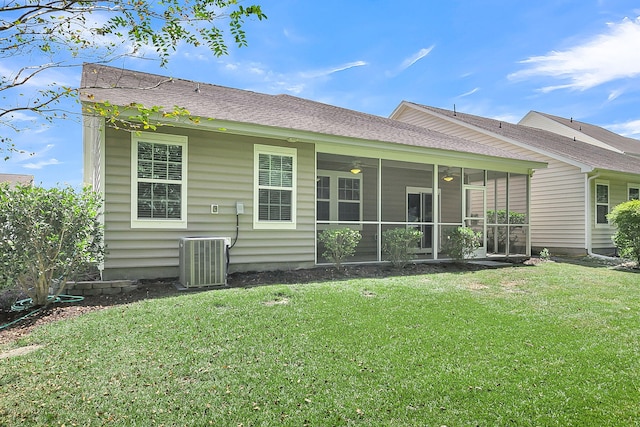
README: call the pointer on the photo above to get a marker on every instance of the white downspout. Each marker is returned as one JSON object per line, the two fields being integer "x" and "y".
{"x": 587, "y": 220}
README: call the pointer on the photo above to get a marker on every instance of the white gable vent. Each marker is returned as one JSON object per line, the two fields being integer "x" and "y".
{"x": 203, "y": 261}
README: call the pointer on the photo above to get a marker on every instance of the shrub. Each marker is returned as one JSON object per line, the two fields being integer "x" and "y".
{"x": 339, "y": 243}
{"x": 461, "y": 243}
{"x": 398, "y": 243}
{"x": 47, "y": 237}
{"x": 626, "y": 218}
{"x": 544, "y": 254}
{"x": 500, "y": 216}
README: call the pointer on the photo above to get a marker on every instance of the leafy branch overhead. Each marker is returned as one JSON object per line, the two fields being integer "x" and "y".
{"x": 59, "y": 34}
{"x": 136, "y": 116}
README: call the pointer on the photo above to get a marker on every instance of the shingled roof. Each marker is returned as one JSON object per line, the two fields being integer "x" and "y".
{"x": 622, "y": 143}
{"x": 123, "y": 87}
{"x": 581, "y": 153}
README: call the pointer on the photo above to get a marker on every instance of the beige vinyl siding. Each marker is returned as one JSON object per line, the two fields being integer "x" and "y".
{"x": 428, "y": 121}
{"x": 539, "y": 121}
{"x": 558, "y": 207}
{"x": 557, "y": 192}
{"x": 220, "y": 171}
{"x": 601, "y": 234}
{"x": 395, "y": 181}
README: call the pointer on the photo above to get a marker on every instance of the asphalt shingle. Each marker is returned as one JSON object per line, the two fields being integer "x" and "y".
{"x": 539, "y": 139}
{"x": 622, "y": 143}
{"x": 123, "y": 87}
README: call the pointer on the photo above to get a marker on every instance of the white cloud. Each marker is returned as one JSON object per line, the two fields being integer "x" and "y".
{"x": 327, "y": 72}
{"x": 28, "y": 151}
{"x": 630, "y": 129}
{"x": 256, "y": 70}
{"x": 260, "y": 77}
{"x": 19, "y": 116}
{"x": 41, "y": 164}
{"x": 408, "y": 62}
{"x": 44, "y": 79}
{"x": 607, "y": 57}
{"x": 293, "y": 36}
{"x": 415, "y": 58}
{"x": 614, "y": 94}
{"x": 471, "y": 92}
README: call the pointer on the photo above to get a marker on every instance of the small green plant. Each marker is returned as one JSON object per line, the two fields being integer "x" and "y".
{"x": 461, "y": 243}
{"x": 500, "y": 217}
{"x": 398, "y": 245}
{"x": 47, "y": 237}
{"x": 626, "y": 218}
{"x": 339, "y": 243}
{"x": 544, "y": 254}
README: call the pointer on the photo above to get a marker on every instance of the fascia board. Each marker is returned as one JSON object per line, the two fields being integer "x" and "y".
{"x": 335, "y": 144}
{"x": 356, "y": 146}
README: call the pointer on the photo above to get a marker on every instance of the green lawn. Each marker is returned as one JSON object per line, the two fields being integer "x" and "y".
{"x": 549, "y": 345}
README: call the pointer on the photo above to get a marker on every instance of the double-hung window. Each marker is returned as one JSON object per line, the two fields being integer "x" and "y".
{"x": 158, "y": 181}
{"x": 602, "y": 202}
{"x": 633, "y": 191}
{"x": 275, "y": 187}
{"x": 338, "y": 196}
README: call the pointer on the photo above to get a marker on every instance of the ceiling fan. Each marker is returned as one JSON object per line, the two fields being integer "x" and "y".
{"x": 448, "y": 174}
{"x": 356, "y": 167}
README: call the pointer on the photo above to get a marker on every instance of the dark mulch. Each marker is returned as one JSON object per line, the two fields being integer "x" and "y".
{"x": 150, "y": 289}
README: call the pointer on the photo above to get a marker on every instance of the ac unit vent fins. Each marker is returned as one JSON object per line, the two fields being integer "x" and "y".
{"x": 203, "y": 261}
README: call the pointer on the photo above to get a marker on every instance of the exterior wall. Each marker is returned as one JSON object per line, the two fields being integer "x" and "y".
{"x": 601, "y": 234}
{"x": 220, "y": 171}
{"x": 558, "y": 208}
{"x": 557, "y": 192}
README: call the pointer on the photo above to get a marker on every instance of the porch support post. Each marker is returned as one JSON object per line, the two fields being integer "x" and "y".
{"x": 436, "y": 212}
{"x": 379, "y": 239}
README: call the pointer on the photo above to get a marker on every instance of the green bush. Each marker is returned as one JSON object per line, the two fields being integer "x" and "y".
{"x": 461, "y": 243}
{"x": 500, "y": 217}
{"x": 545, "y": 255}
{"x": 339, "y": 243}
{"x": 47, "y": 237}
{"x": 398, "y": 245}
{"x": 626, "y": 218}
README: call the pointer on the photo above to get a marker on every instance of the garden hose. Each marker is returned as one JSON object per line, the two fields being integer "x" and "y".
{"x": 27, "y": 303}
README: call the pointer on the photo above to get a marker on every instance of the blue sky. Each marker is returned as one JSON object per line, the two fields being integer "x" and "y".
{"x": 494, "y": 58}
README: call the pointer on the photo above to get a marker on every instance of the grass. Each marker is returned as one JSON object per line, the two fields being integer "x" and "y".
{"x": 549, "y": 345}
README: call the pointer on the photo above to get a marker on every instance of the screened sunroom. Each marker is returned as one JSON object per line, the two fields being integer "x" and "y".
{"x": 373, "y": 195}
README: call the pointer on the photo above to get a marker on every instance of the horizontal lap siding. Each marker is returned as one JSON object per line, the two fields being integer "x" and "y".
{"x": 557, "y": 192}
{"x": 601, "y": 235}
{"x": 220, "y": 171}
{"x": 558, "y": 207}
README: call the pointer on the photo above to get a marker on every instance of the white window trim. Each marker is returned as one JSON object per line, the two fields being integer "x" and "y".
{"x": 333, "y": 196}
{"x": 630, "y": 186}
{"x": 181, "y": 140}
{"x": 281, "y": 151}
{"x": 596, "y": 204}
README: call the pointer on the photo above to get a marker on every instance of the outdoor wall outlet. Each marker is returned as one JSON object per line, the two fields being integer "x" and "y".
{"x": 239, "y": 208}
{"x": 214, "y": 209}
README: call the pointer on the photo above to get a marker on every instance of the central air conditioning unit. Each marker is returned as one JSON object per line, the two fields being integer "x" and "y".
{"x": 203, "y": 261}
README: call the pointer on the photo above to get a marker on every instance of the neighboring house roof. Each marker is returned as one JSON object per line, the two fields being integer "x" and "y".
{"x": 14, "y": 179}
{"x": 623, "y": 143}
{"x": 124, "y": 87}
{"x": 586, "y": 156}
